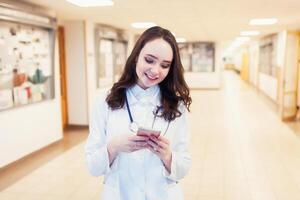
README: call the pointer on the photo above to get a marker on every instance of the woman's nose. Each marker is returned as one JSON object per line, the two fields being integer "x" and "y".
{"x": 154, "y": 70}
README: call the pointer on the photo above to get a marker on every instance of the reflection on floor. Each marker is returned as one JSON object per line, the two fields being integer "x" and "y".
{"x": 240, "y": 149}
{"x": 295, "y": 127}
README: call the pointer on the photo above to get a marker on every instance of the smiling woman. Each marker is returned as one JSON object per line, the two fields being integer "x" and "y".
{"x": 155, "y": 51}
{"x": 138, "y": 132}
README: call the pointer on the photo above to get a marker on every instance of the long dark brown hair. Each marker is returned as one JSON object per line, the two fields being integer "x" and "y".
{"x": 173, "y": 88}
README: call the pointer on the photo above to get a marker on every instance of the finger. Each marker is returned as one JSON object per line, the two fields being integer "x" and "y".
{"x": 162, "y": 144}
{"x": 137, "y": 149}
{"x": 159, "y": 143}
{"x": 141, "y": 144}
{"x": 140, "y": 147}
{"x": 153, "y": 150}
{"x": 138, "y": 138}
{"x": 134, "y": 146}
{"x": 152, "y": 144}
{"x": 163, "y": 139}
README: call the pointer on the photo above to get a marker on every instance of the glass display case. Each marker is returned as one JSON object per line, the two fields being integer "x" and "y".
{"x": 111, "y": 54}
{"x": 185, "y": 55}
{"x": 26, "y": 58}
{"x": 267, "y": 55}
{"x": 197, "y": 56}
{"x": 203, "y": 57}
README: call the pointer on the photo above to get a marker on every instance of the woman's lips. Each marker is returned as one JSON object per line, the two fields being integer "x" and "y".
{"x": 151, "y": 77}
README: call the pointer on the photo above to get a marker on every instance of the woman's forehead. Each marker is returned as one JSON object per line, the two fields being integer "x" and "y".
{"x": 158, "y": 48}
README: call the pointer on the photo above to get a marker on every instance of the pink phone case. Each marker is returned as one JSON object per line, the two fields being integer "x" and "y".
{"x": 148, "y": 132}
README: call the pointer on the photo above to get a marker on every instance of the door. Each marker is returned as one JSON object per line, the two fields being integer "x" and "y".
{"x": 63, "y": 82}
{"x": 290, "y": 77}
{"x": 245, "y": 66}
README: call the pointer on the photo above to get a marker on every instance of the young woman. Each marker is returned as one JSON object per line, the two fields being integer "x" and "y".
{"x": 152, "y": 94}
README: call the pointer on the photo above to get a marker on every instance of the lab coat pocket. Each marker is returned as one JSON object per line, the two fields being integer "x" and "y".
{"x": 111, "y": 187}
{"x": 110, "y": 193}
{"x": 174, "y": 192}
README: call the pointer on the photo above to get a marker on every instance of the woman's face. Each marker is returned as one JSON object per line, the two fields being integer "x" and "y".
{"x": 153, "y": 63}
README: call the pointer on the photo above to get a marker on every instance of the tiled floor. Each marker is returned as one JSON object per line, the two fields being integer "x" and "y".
{"x": 240, "y": 149}
{"x": 15, "y": 171}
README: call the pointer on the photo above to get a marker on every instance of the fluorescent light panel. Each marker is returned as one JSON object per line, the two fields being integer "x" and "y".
{"x": 143, "y": 25}
{"x": 249, "y": 33}
{"x": 91, "y": 3}
{"x": 265, "y": 21}
{"x": 242, "y": 39}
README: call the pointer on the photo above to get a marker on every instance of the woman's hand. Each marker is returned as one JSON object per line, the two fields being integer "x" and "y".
{"x": 125, "y": 143}
{"x": 161, "y": 147}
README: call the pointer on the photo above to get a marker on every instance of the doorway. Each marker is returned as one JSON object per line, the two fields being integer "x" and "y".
{"x": 290, "y": 79}
{"x": 63, "y": 81}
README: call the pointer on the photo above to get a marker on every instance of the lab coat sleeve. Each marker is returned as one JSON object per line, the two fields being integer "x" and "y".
{"x": 96, "y": 147}
{"x": 181, "y": 160}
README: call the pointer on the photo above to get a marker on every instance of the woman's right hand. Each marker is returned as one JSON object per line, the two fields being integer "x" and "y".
{"x": 125, "y": 143}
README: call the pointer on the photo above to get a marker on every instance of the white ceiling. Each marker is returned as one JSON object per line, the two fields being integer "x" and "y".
{"x": 196, "y": 20}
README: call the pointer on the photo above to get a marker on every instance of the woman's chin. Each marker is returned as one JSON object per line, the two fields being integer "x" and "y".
{"x": 150, "y": 83}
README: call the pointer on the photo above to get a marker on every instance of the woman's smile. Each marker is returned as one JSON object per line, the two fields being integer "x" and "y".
{"x": 151, "y": 77}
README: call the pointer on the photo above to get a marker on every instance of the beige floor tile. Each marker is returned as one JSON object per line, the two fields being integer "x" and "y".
{"x": 10, "y": 195}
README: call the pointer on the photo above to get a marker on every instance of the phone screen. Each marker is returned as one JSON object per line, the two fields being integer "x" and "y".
{"x": 148, "y": 132}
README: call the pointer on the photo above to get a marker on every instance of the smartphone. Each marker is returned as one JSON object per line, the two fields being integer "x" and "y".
{"x": 148, "y": 132}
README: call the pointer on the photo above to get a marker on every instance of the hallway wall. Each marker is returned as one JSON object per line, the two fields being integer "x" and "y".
{"x": 76, "y": 72}
{"x": 26, "y": 129}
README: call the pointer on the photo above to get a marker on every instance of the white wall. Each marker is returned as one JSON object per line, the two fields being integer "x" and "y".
{"x": 237, "y": 59}
{"x": 91, "y": 63}
{"x": 281, "y": 48}
{"x": 207, "y": 80}
{"x": 77, "y": 90}
{"x": 268, "y": 85}
{"x": 290, "y": 70}
{"x": 29, "y": 128}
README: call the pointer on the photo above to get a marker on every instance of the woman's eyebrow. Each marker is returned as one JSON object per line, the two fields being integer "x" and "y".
{"x": 157, "y": 58}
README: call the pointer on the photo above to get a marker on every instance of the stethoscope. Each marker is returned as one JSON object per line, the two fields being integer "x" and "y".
{"x": 133, "y": 126}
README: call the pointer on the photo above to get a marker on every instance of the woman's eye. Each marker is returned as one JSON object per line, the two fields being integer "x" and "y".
{"x": 148, "y": 60}
{"x": 165, "y": 66}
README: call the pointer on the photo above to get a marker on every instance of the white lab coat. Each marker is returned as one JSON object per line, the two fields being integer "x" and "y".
{"x": 139, "y": 175}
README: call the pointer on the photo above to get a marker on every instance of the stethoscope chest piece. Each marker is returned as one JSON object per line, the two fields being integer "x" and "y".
{"x": 134, "y": 127}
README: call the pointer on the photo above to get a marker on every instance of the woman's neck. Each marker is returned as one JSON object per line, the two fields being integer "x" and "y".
{"x": 142, "y": 86}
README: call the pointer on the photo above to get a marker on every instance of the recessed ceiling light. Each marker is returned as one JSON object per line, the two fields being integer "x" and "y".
{"x": 249, "y": 33}
{"x": 242, "y": 39}
{"x": 266, "y": 21}
{"x": 180, "y": 40}
{"x": 143, "y": 25}
{"x": 91, "y": 3}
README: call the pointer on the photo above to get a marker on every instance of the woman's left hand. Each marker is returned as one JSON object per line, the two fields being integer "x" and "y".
{"x": 161, "y": 147}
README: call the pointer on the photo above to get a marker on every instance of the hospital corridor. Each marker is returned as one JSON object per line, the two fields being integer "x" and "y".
{"x": 240, "y": 61}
